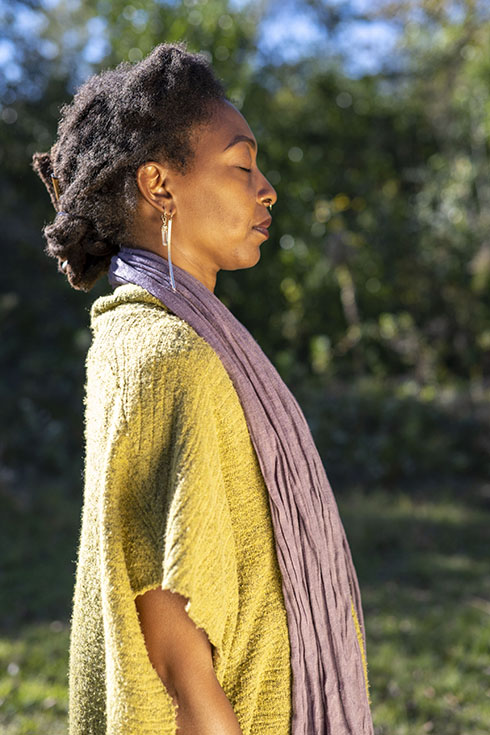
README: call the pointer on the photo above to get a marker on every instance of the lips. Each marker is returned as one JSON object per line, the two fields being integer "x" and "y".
{"x": 263, "y": 227}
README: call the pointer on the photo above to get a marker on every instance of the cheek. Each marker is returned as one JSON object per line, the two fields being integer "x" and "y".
{"x": 224, "y": 209}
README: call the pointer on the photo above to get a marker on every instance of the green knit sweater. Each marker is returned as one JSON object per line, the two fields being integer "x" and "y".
{"x": 174, "y": 497}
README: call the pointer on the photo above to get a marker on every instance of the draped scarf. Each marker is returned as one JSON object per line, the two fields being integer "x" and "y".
{"x": 319, "y": 583}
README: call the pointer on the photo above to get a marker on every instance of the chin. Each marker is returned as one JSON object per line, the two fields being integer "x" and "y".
{"x": 244, "y": 259}
{"x": 255, "y": 260}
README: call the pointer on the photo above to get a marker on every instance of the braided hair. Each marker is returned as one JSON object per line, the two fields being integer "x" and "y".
{"x": 117, "y": 120}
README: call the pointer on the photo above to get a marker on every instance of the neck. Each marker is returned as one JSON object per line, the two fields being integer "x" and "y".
{"x": 187, "y": 263}
{"x": 145, "y": 234}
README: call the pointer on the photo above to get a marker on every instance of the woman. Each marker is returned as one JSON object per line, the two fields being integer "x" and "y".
{"x": 215, "y": 591}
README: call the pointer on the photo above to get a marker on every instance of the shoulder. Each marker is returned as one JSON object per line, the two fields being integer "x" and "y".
{"x": 142, "y": 338}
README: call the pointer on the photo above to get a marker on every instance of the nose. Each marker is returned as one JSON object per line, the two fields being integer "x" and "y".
{"x": 266, "y": 194}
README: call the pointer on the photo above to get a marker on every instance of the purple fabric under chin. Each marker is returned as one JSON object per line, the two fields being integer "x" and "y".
{"x": 318, "y": 577}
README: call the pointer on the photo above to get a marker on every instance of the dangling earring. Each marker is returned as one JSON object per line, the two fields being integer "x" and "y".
{"x": 167, "y": 243}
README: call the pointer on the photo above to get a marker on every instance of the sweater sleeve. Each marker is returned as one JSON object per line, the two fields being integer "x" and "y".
{"x": 155, "y": 514}
{"x": 175, "y": 525}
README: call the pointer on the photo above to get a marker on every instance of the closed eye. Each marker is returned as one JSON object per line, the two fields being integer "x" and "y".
{"x": 244, "y": 169}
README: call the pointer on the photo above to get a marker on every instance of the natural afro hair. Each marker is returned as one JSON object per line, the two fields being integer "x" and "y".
{"x": 117, "y": 120}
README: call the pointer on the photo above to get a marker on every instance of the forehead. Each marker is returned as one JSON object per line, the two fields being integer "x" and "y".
{"x": 226, "y": 124}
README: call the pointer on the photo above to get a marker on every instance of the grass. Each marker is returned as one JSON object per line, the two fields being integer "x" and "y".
{"x": 33, "y": 692}
{"x": 422, "y": 560}
{"x": 423, "y": 564}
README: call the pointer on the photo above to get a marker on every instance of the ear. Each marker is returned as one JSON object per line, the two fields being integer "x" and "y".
{"x": 152, "y": 179}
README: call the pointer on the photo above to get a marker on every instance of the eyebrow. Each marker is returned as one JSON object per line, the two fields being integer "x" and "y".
{"x": 242, "y": 139}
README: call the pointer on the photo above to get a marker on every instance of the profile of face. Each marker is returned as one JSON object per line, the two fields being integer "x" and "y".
{"x": 219, "y": 207}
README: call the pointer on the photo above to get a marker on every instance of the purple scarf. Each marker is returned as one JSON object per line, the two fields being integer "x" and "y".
{"x": 318, "y": 577}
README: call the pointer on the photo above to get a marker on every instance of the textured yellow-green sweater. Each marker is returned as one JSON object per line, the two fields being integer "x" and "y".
{"x": 174, "y": 497}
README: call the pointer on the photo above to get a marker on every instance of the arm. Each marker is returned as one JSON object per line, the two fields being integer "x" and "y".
{"x": 181, "y": 654}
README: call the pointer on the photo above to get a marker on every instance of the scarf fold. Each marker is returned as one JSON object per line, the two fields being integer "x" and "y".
{"x": 319, "y": 582}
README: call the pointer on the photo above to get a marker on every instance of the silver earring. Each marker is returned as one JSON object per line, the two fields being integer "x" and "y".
{"x": 167, "y": 243}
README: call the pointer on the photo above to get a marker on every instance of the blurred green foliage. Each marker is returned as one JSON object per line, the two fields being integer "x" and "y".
{"x": 371, "y": 297}
{"x": 379, "y": 261}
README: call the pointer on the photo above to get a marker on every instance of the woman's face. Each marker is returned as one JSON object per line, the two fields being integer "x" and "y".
{"x": 220, "y": 215}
